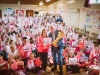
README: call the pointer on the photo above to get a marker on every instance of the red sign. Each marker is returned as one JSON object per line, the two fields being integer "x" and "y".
{"x": 20, "y": 12}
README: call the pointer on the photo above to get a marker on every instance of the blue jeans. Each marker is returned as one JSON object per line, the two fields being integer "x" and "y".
{"x": 60, "y": 58}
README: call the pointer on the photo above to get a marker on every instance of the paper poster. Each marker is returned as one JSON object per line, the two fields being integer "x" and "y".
{"x": 9, "y": 11}
{"x": 84, "y": 59}
{"x": 72, "y": 60}
{"x": 21, "y": 12}
{"x": 87, "y": 20}
{"x": 47, "y": 40}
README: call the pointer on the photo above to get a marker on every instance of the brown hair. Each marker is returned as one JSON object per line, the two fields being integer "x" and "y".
{"x": 1, "y": 56}
{"x": 42, "y": 32}
{"x": 17, "y": 57}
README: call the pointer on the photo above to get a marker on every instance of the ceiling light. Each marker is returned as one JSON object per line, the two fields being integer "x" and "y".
{"x": 41, "y": 3}
{"x": 71, "y": 1}
{"x": 48, "y": 0}
{"x": 18, "y": 2}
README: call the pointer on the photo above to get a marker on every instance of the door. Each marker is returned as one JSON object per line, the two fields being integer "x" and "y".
{"x": 74, "y": 18}
{"x": 30, "y": 12}
{"x": 41, "y": 12}
{"x": 1, "y": 13}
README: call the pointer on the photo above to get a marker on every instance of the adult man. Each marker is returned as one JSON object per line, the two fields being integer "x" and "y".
{"x": 56, "y": 50}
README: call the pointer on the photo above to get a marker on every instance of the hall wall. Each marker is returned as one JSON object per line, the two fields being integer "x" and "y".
{"x": 21, "y": 7}
{"x": 65, "y": 9}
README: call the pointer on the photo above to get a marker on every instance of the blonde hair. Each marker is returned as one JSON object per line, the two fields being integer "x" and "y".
{"x": 12, "y": 46}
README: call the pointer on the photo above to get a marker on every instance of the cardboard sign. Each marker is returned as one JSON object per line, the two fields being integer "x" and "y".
{"x": 72, "y": 60}
{"x": 47, "y": 40}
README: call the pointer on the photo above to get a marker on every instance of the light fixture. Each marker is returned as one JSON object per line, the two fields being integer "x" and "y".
{"x": 41, "y": 3}
{"x": 70, "y": 1}
{"x": 48, "y": 0}
{"x": 18, "y": 2}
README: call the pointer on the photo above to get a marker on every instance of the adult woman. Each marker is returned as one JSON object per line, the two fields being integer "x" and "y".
{"x": 43, "y": 49}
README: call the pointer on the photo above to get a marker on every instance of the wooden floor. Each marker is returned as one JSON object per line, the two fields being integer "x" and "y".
{"x": 82, "y": 72}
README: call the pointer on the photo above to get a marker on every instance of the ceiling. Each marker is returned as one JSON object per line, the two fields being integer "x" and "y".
{"x": 29, "y": 2}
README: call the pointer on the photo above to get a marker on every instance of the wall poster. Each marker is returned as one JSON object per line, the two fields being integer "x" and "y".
{"x": 20, "y": 12}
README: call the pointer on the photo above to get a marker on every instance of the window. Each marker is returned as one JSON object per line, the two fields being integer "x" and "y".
{"x": 94, "y": 1}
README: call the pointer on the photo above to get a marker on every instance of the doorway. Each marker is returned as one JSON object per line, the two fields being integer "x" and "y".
{"x": 1, "y": 13}
{"x": 41, "y": 12}
{"x": 30, "y": 12}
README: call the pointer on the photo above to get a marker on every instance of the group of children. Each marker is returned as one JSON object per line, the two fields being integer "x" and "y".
{"x": 14, "y": 28}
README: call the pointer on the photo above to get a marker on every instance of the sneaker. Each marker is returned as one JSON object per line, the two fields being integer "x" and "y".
{"x": 69, "y": 72}
{"x": 53, "y": 69}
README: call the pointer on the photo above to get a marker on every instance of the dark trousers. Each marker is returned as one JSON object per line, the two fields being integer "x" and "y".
{"x": 25, "y": 61}
{"x": 98, "y": 41}
{"x": 58, "y": 60}
{"x": 5, "y": 72}
{"x": 73, "y": 68}
{"x": 34, "y": 70}
{"x": 35, "y": 53}
{"x": 43, "y": 56}
{"x": 5, "y": 56}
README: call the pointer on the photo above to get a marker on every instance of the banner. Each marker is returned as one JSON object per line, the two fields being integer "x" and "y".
{"x": 91, "y": 12}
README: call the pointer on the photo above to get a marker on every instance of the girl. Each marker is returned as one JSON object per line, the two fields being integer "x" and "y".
{"x": 43, "y": 49}
{"x": 32, "y": 65}
{"x": 4, "y": 67}
{"x": 17, "y": 66}
{"x": 33, "y": 46}
{"x": 6, "y": 50}
{"x": 12, "y": 54}
{"x": 71, "y": 68}
{"x": 82, "y": 59}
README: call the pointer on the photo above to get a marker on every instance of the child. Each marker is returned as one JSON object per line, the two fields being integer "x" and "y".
{"x": 6, "y": 49}
{"x": 65, "y": 52}
{"x": 71, "y": 68}
{"x": 32, "y": 65}
{"x": 33, "y": 46}
{"x": 4, "y": 67}
{"x": 17, "y": 66}
{"x": 12, "y": 54}
{"x": 82, "y": 59}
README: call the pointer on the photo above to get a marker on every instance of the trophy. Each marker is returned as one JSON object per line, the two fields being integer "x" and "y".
{"x": 60, "y": 35}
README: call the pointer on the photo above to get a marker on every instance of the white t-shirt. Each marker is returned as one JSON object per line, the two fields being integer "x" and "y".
{"x": 13, "y": 54}
{"x": 7, "y": 47}
{"x": 33, "y": 46}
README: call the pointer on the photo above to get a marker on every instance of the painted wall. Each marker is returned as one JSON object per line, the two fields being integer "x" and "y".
{"x": 60, "y": 7}
{"x": 65, "y": 9}
{"x": 21, "y": 7}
